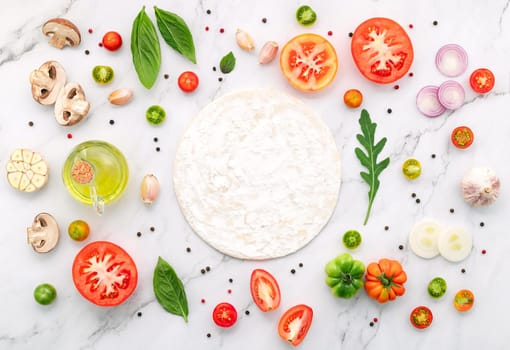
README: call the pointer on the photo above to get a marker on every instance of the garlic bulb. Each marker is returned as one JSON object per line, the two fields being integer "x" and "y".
{"x": 480, "y": 187}
{"x": 149, "y": 189}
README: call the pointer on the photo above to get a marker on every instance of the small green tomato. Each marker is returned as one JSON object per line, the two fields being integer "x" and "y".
{"x": 45, "y": 294}
{"x": 155, "y": 115}
{"x": 351, "y": 239}
{"x": 103, "y": 74}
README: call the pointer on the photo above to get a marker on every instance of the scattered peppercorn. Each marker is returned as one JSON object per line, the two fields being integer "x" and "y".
{"x": 202, "y": 301}
{"x": 264, "y": 20}
{"x": 411, "y": 26}
{"x": 158, "y": 149}
{"x": 166, "y": 76}
{"x": 208, "y": 335}
{"x": 300, "y": 264}
{"x": 484, "y": 252}
{"x": 433, "y": 156}
{"x": 376, "y": 319}
{"x": 482, "y": 224}
{"x": 463, "y": 270}
{"x": 389, "y": 110}
{"x": 139, "y": 234}
{"x": 220, "y": 79}
{"x": 435, "y": 23}
{"x": 207, "y": 268}
{"x": 100, "y": 44}
{"x": 152, "y": 229}
{"x": 371, "y": 324}
{"x": 330, "y": 33}
{"x": 413, "y": 195}
{"x": 30, "y": 123}
{"x": 230, "y": 280}
{"x": 418, "y": 200}
{"x": 350, "y": 35}
{"x": 411, "y": 74}
{"x": 188, "y": 250}
{"x": 214, "y": 69}
{"x": 401, "y": 247}
{"x": 69, "y": 136}
{"x": 293, "y": 271}
{"x": 452, "y": 210}
{"x": 229, "y": 291}
{"x": 155, "y": 139}
{"x": 206, "y": 28}
{"x": 87, "y": 52}
{"x": 112, "y": 121}
{"x": 139, "y": 314}
{"x": 202, "y": 271}
{"x": 222, "y": 30}
{"x": 208, "y": 12}
{"x": 247, "y": 312}
{"x": 386, "y": 228}
{"x": 396, "y": 87}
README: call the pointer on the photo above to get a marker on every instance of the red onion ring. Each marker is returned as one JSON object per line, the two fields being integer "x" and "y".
{"x": 451, "y": 94}
{"x": 451, "y": 60}
{"x": 428, "y": 103}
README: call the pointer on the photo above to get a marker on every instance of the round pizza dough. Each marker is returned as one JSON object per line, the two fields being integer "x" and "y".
{"x": 257, "y": 174}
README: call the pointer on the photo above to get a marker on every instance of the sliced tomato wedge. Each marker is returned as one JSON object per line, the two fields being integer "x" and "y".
{"x": 421, "y": 317}
{"x": 309, "y": 62}
{"x": 295, "y": 323}
{"x": 482, "y": 80}
{"x": 224, "y": 315}
{"x": 104, "y": 273}
{"x": 382, "y": 50}
{"x": 264, "y": 290}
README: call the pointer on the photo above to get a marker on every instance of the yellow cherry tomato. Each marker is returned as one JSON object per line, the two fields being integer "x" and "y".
{"x": 411, "y": 168}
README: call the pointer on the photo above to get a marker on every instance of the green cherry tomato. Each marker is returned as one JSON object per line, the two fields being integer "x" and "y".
{"x": 411, "y": 168}
{"x": 305, "y": 15}
{"x": 78, "y": 230}
{"x": 45, "y": 294}
{"x": 437, "y": 287}
{"x": 155, "y": 115}
{"x": 102, "y": 74}
{"x": 351, "y": 239}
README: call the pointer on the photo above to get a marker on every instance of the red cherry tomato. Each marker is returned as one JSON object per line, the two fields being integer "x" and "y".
{"x": 188, "y": 81}
{"x": 224, "y": 315}
{"x": 264, "y": 290}
{"x": 482, "y": 80}
{"x": 295, "y": 323}
{"x": 462, "y": 137}
{"x": 104, "y": 273}
{"x": 421, "y": 317}
{"x": 112, "y": 41}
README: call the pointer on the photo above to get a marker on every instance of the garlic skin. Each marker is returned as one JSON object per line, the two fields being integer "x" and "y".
{"x": 149, "y": 190}
{"x": 244, "y": 40}
{"x": 480, "y": 187}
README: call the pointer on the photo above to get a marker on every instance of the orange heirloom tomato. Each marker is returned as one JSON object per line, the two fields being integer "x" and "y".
{"x": 385, "y": 280}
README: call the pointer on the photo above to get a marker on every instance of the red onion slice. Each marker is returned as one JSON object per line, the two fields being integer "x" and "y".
{"x": 451, "y": 94}
{"x": 451, "y": 60}
{"x": 428, "y": 103}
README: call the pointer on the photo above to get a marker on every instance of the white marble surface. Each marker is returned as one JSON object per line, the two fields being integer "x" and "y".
{"x": 481, "y": 27}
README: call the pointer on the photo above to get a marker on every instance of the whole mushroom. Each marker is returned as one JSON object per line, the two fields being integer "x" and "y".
{"x": 480, "y": 187}
{"x": 71, "y": 105}
{"x": 61, "y": 32}
{"x": 47, "y": 81}
{"x": 44, "y": 233}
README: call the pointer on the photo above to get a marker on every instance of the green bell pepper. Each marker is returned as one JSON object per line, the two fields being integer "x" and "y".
{"x": 344, "y": 275}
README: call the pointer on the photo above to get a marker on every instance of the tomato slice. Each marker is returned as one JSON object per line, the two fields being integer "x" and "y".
{"x": 482, "y": 80}
{"x": 421, "y": 317}
{"x": 462, "y": 137}
{"x": 309, "y": 62}
{"x": 382, "y": 50}
{"x": 188, "y": 81}
{"x": 104, "y": 273}
{"x": 264, "y": 290}
{"x": 224, "y": 315}
{"x": 295, "y": 323}
{"x": 464, "y": 300}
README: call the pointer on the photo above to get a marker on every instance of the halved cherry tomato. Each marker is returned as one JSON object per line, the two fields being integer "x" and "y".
{"x": 104, "y": 273}
{"x": 224, "y": 315}
{"x": 462, "y": 137}
{"x": 382, "y": 50}
{"x": 309, "y": 62}
{"x": 264, "y": 290}
{"x": 112, "y": 41}
{"x": 295, "y": 323}
{"x": 464, "y": 300}
{"x": 353, "y": 98}
{"x": 482, "y": 80}
{"x": 421, "y": 317}
{"x": 188, "y": 81}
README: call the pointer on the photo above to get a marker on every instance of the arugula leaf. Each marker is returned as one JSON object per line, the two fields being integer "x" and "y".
{"x": 169, "y": 289}
{"x": 369, "y": 158}
{"x": 145, "y": 49}
{"x": 176, "y": 33}
{"x": 227, "y": 63}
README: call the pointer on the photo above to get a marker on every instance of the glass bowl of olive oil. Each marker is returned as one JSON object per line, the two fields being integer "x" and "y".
{"x": 95, "y": 173}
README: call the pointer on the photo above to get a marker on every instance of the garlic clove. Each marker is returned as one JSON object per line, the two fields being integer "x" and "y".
{"x": 244, "y": 40}
{"x": 120, "y": 97}
{"x": 268, "y": 52}
{"x": 149, "y": 189}
{"x": 480, "y": 187}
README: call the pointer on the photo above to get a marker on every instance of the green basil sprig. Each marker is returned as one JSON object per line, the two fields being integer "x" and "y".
{"x": 145, "y": 49}
{"x": 227, "y": 63}
{"x": 169, "y": 289}
{"x": 176, "y": 33}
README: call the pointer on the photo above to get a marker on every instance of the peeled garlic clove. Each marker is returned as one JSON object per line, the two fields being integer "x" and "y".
{"x": 244, "y": 40}
{"x": 268, "y": 52}
{"x": 480, "y": 187}
{"x": 120, "y": 97}
{"x": 149, "y": 189}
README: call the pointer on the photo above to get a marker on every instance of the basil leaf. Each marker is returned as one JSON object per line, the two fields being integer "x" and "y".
{"x": 145, "y": 49}
{"x": 169, "y": 290}
{"x": 176, "y": 33}
{"x": 227, "y": 63}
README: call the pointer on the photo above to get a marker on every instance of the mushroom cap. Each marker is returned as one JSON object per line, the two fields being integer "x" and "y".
{"x": 71, "y": 105}
{"x": 47, "y": 81}
{"x": 61, "y": 32}
{"x": 43, "y": 235}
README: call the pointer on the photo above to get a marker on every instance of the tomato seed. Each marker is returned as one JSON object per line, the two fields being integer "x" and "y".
{"x": 112, "y": 121}
{"x": 484, "y": 252}
{"x": 330, "y": 33}
{"x": 69, "y": 136}
{"x": 139, "y": 314}
{"x": 482, "y": 224}
{"x": 30, "y": 123}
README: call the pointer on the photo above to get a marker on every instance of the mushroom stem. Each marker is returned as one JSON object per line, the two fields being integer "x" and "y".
{"x": 58, "y": 41}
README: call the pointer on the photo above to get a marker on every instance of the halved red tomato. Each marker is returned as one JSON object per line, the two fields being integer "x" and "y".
{"x": 295, "y": 323}
{"x": 309, "y": 62}
{"x": 224, "y": 315}
{"x": 264, "y": 290}
{"x": 382, "y": 50}
{"x": 462, "y": 137}
{"x": 482, "y": 80}
{"x": 104, "y": 273}
{"x": 421, "y": 317}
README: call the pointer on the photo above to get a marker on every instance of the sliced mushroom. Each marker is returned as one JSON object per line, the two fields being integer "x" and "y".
{"x": 47, "y": 81}
{"x": 61, "y": 32}
{"x": 44, "y": 233}
{"x": 71, "y": 105}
